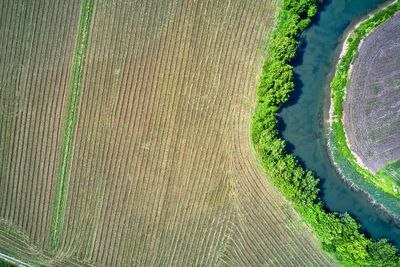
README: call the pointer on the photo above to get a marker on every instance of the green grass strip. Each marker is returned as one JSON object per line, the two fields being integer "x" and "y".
{"x": 5, "y": 263}
{"x": 391, "y": 170}
{"x": 338, "y": 85}
{"x": 70, "y": 121}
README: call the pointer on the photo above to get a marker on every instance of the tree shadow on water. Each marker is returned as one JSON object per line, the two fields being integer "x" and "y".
{"x": 298, "y": 90}
{"x": 289, "y": 147}
{"x": 298, "y": 59}
{"x": 295, "y": 95}
{"x": 321, "y": 8}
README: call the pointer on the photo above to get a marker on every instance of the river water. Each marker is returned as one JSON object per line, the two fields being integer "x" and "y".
{"x": 304, "y": 118}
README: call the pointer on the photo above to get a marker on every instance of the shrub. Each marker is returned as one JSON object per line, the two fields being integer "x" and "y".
{"x": 338, "y": 233}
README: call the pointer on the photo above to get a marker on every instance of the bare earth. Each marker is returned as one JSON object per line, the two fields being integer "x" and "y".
{"x": 372, "y": 104}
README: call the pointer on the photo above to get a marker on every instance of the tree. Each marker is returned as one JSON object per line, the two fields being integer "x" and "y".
{"x": 381, "y": 253}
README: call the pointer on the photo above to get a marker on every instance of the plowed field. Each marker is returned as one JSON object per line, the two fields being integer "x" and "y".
{"x": 372, "y": 104}
{"x": 125, "y": 136}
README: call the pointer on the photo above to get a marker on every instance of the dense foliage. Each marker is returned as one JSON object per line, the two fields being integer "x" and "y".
{"x": 338, "y": 233}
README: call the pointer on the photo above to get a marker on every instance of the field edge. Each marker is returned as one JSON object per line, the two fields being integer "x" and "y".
{"x": 343, "y": 157}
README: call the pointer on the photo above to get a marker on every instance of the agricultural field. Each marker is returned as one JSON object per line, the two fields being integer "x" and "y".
{"x": 125, "y": 136}
{"x": 36, "y": 49}
{"x": 364, "y": 115}
{"x": 372, "y": 103}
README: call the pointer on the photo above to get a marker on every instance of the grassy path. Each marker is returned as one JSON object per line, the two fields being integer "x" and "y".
{"x": 70, "y": 121}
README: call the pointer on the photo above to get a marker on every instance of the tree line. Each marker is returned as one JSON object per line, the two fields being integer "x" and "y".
{"x": 338, "y": 233}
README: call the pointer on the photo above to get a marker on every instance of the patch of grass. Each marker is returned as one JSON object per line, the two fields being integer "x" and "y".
{"x": 4, "y": 263}
{"x": 391, "y": 171}
{"x": 69, "y": 128}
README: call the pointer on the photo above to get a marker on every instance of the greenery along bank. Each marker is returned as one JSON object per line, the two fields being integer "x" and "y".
{"x": 340, "y": 150}
{"x": 338, "y": 233}
{"x": 4, "y": 263}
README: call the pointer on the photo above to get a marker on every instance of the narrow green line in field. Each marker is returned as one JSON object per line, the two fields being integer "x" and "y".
{"x": 70, "y": 121}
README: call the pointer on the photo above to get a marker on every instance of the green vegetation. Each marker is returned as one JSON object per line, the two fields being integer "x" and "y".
{"x": 338, "y": 233}
{"x": 391, "y": 171}
{"x": 75, "y": 85}
{"x": 133, "y": 134}
{"x": 338, "y": 85}
{"x": 4, "y": 263}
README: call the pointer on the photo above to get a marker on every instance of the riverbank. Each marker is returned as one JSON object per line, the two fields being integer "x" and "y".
{"x": 349, "y": 165}
{"x": 339, "y": 234}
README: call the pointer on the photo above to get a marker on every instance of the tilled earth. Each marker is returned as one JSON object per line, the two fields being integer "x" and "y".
{"x": 372, "y": 104}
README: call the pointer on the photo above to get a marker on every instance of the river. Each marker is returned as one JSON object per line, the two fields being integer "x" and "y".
{"x": 304, "y": 118}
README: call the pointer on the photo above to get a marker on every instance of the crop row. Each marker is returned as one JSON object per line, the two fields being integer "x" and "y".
{"x": 74, "y": 85}
{"x": 40, "y": 44}
{"x": 371, "y": 104}
{"x": 150, "y": 157}
{"x": 159, "y": 169}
